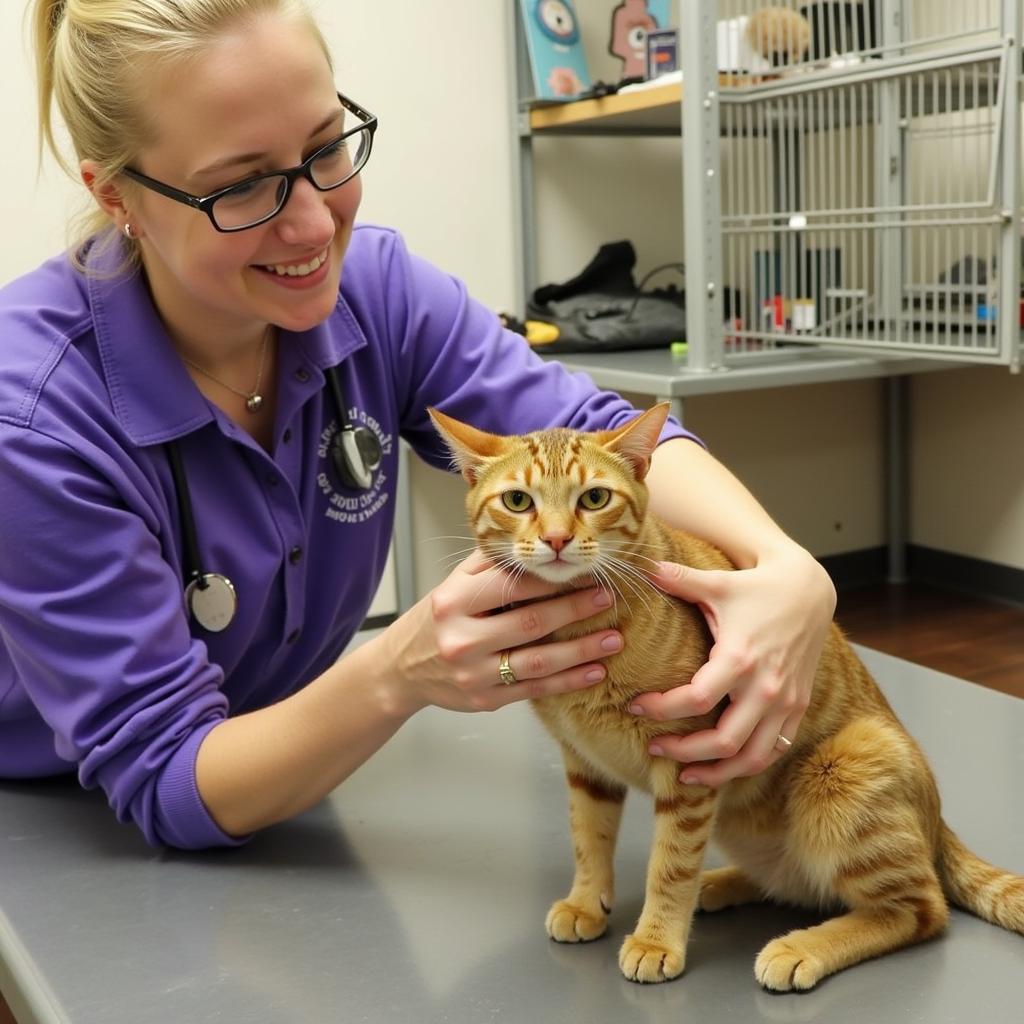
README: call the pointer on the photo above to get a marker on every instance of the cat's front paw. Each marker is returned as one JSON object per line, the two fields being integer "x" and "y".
{"x": 646, "y": 961}
{"x": 569, "y": 922}
{"x": 784, "y": 965}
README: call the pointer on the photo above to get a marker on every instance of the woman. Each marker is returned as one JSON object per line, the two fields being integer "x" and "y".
{"x": 191, "y": 533}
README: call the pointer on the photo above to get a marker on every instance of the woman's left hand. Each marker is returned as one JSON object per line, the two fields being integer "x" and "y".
{"x": 769, "y": 624}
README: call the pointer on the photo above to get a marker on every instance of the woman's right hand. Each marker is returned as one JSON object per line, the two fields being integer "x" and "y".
{"x": 446, "y": 649}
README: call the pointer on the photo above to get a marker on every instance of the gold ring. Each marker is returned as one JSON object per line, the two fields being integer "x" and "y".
{"x": 782, "y": 743}
{"x": 508, "y": 677}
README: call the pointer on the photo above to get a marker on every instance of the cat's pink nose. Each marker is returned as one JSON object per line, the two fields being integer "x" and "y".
{"x": 556, "y": 541}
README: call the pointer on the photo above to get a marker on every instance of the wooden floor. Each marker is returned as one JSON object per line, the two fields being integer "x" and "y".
{"x": 982, "y": 641}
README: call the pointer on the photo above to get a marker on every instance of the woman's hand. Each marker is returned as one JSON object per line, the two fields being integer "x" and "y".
{"x": 769, "y": 624}
{"x": 445, "y": 650}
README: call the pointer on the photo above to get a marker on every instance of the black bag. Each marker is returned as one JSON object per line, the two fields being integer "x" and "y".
{"x": 603, "y": 310}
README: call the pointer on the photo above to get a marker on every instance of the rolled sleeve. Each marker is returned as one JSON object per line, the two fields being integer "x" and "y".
{"x": 92, "y": 616}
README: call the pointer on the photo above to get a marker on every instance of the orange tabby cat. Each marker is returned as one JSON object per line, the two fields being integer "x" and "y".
{"x": 848, "y": 819}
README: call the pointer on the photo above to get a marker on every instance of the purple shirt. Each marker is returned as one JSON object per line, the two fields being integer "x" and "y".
{"x": 101, "y": 669}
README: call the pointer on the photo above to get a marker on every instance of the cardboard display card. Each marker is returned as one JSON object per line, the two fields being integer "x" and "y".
{"x": 557, "y": 59}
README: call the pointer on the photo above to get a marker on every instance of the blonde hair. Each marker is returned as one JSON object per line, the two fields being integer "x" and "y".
{"x": 90, "y": 55}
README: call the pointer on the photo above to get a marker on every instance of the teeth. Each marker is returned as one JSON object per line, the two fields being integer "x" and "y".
{"x": 299, "y": 269}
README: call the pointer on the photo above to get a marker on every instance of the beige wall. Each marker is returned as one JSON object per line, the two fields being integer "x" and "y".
{"x": 967, "y": 493}
{"x": 811, "y": 454}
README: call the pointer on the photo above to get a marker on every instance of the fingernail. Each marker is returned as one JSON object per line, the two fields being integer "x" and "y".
{"x": 602, "y": 599}
{"x": 595, "y": 675}
{"x": 655, "y": 750}
{"x": 635, "y": 709}
{"x": 612, "y": 642}
{"x": 690, "y": 780}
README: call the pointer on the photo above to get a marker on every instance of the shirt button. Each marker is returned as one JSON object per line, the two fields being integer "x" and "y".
{"x": 273, "y": 479}
{"x": 302, "y": 374}
{"x": 293, "y": 636}
{"x": 287, "y": 435}
{"x": 295, "y": 555}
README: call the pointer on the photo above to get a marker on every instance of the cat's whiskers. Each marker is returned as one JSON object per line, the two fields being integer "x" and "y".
{"x": 606, "y": 581}
{"x": 448, "y": 536}
{"x": 628, "y": 548}
{"x": 516, "y": 571}
{"x": 450, "y": 559}
{"x": 500, "y": 566}
{"x": 629, "y": 571}
{"x": 616, "y": 572}
{"x": 631, "y": 545}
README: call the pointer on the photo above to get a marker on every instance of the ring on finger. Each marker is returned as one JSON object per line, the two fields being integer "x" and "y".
{"x": 505, "y": 673}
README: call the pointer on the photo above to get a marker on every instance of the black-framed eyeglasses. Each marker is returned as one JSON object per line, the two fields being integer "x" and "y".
{"x": 257, "y": 199}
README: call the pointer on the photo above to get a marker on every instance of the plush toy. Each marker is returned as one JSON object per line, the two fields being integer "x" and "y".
{"x": 779, "y": 34}
{"x": 631, "y": 21}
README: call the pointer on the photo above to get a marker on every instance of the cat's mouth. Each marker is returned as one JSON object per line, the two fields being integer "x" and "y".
{"x": 558, "y": 569}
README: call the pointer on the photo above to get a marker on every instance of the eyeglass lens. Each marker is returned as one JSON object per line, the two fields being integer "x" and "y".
{"x": 250, "y": 202}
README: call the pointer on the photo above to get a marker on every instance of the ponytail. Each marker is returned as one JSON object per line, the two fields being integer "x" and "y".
{"x": 47, "y": 17}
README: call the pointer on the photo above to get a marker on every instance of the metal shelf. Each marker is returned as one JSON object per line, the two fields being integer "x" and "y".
{"x": 652, "y": 110}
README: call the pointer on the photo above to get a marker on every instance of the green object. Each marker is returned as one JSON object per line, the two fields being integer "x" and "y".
{"x": 678, "y": 348}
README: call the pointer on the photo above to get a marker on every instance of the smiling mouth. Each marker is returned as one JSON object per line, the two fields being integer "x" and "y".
{"x": 296, "y": 269}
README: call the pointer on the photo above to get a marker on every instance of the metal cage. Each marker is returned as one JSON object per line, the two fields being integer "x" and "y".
{"x": 869, "y": 178}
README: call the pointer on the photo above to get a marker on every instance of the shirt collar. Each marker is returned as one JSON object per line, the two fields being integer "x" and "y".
{"x": 152, "y": 394}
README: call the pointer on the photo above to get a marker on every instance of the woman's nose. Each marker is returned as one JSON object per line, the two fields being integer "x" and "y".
{"x": 306, "y": 218}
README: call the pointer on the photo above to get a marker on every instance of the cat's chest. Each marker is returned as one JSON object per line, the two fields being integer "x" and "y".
{"x": 602, "y": 732}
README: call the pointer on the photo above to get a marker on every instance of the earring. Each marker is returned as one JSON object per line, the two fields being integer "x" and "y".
{"x": 128, "y": 231}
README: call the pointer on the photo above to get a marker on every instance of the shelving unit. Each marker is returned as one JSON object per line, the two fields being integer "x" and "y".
{"x": 883, "y": 196}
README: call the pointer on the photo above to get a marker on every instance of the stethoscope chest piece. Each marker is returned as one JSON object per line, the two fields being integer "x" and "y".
{"x": 357, "y": 456}
{"x": 212, "y": 600}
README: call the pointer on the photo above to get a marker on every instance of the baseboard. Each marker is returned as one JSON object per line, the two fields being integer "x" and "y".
{"x": 975, "y": 576}
{"x": 378, "y": 621}
{"x": 864, "y": 568}
{"x": 970, "y": 575}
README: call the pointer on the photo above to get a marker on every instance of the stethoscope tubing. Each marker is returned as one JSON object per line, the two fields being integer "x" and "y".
{"x": 189, "y": 534}
{"x": 217, "y": 610}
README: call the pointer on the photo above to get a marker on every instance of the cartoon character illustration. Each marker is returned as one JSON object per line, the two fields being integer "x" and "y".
{"x": 553, "y": 39}
{"x": 565, "y": 82}
{"x": 557, "y": 21}
{"x": 631, "y": 21}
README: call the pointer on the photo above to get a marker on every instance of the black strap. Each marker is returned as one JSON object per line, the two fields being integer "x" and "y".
{"x": 193, "y": 564}
{"x": 339, "y": 398}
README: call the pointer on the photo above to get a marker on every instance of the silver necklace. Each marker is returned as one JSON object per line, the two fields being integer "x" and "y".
{"x": 253, "y": 399}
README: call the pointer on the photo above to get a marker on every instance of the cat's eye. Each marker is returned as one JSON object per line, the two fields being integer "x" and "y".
{"x": 516, "y": 501}
{"x": 595, "y": 498}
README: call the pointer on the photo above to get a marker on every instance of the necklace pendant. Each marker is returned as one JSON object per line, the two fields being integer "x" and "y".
{"x": 253, "y": 402}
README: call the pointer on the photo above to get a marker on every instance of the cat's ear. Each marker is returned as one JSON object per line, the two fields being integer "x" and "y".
{"x": 637, "y": 440}
{"x": 470, "y": 447}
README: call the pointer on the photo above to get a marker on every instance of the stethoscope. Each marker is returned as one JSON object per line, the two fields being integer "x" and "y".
{"x": 211, "y": 598}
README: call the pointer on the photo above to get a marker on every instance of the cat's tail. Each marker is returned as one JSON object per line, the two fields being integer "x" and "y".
{"x": 975, "y": 885}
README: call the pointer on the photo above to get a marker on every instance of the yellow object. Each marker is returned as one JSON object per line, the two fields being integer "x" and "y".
{"x": 678, "y": 348}
{"x": 540, "y": 333}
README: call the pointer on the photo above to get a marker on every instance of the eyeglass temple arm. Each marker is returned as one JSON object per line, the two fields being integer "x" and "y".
{"x": 165, "y": 190}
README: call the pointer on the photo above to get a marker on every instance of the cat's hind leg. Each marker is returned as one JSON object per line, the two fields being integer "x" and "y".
{"x": 857, "y": 828}
{"x": 595, "y": 812}
{"x": 727, "y": 887}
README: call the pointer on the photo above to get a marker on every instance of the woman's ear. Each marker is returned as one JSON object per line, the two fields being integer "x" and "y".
{"x": 108, "y": 195}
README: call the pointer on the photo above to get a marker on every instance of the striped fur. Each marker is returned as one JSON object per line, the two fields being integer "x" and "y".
{"x": 848, "y": 822}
